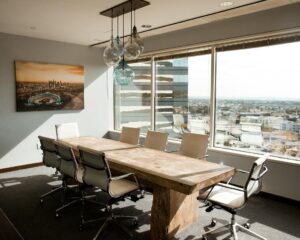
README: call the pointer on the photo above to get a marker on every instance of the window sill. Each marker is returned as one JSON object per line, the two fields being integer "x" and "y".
{"x": 254, "y": 155}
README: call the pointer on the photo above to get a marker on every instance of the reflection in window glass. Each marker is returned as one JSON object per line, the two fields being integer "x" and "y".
{"x": 133, "y": 102}
{"x": 182, "y": 95}
{"x": 258, "y": 101}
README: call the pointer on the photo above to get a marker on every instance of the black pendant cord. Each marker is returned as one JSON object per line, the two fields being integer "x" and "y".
{"x": 117, "y": 26}
{"x": 112, "y": 27}
{"x": 131, "y": 22}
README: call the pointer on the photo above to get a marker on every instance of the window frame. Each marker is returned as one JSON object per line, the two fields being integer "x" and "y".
{"x": 257, "y": 40}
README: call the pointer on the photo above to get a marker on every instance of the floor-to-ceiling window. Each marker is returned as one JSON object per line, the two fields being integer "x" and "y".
{"x": 258, "y": 100}
{"x": 183, "y": 94}
{"x": 257, "y": 95}
{"x": 133, "y": 102}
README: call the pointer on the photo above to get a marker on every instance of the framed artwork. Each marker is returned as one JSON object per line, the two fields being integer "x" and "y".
{"x": 46, "y": 86}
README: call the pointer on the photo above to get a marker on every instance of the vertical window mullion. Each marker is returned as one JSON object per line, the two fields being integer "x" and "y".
{"x": 213, "y": 97}
{"x": 153, "y": 93}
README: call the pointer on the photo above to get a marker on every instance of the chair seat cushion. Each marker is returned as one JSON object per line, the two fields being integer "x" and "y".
{"x": 231, "y": 198}
{"x": 121, "y": 187}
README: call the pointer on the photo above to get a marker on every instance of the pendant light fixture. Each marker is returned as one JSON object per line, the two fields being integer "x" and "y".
{"x": 111, "y": 54}
{"x": 116, "y": 54}
{"x": 131, "y": 50}
{"x": 123, "y": 74}
{"x": 137, "y": 37}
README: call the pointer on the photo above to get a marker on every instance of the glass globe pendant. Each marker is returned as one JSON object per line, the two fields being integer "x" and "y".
{"x": 117, "y": 40}
{"x": 123, "y": 74}
{"x": 132, "y": 50}
{"x": 111, "y": 54}
{"x": 138, "y": 39}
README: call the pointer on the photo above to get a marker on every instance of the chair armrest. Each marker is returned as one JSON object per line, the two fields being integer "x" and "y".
{"x": 231, "y": 187}
{"x": 265, "y": 169}
{"x": 237, "y": 171}
{"x": 125, "y": 176}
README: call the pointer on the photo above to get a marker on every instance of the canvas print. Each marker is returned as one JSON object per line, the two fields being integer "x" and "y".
{"x": 45, "y": 86}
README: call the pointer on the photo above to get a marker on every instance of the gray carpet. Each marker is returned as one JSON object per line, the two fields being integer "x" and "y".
{"x": 19, "y": 198}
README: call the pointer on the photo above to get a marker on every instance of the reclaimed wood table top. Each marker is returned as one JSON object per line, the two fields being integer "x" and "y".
{"x": 177, "y": 172}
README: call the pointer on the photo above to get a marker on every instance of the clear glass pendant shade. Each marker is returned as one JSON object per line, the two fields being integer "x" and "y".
{"x": 123, "y": 74}
{"x": 138, "y": 39}
{"x": 111, "y": 54}
{"x": 132, "y": 49}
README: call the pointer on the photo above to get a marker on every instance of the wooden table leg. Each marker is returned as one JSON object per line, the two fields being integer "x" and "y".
{"x": 171, "y": 212}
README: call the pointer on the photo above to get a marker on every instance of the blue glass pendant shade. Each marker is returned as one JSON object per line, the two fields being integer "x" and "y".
{"x": 123, "y": 74}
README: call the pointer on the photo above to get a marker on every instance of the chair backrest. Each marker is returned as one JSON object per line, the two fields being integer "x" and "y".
{"x": 130, "y": 135}
{"x": 67, "y": 130}
{"x": 254, "y": 181}
{"x": 50, "y": 157}
{"x": 156, "y": 140}
{"x": 178, "y": 120}
{"x": 193, "y": 145}
{"x": 96, "y": 169}
{"x": 69, "y": 163}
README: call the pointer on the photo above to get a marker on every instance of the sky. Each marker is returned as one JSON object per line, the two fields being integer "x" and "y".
{"x": 261, "y": 73}
{"x": 43, "y": 72}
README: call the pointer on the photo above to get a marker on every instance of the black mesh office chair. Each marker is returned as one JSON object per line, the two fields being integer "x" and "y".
{"x": 232, "y": 198}
{"x": 97, "y": 173}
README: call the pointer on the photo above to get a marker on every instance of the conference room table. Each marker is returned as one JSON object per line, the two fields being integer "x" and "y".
{"x": 175, "y": 180}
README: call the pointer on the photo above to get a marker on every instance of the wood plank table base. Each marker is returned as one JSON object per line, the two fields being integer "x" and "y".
{"x": 172, "y": 212}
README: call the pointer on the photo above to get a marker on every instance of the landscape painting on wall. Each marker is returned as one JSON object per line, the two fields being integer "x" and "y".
{"x": 43, "y": 86}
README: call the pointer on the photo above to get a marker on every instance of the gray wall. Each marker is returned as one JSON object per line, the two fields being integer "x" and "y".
{"x": 261, "y": 22}
{"x": 19, "y": 130}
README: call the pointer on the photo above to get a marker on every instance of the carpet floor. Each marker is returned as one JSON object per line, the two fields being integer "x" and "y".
{"x": 19, "y": 198}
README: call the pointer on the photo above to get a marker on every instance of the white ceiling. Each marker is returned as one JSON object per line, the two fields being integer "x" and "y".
{"x": 78, "y": 21}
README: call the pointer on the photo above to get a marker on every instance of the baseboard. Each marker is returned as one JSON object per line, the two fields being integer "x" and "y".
{"x": 10, "y": 169}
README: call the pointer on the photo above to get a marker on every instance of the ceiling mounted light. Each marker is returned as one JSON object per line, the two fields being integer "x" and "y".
{"x": 226, "y": 4}
{"x": 116, "y": 53}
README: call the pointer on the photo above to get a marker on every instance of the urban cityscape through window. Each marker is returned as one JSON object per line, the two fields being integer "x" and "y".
{"x": 257, "y": 98}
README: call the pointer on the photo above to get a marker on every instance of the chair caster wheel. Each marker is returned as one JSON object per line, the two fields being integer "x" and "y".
{"x": 247, "y": 225}
{"x": 41, "y": 201}
{"x": 80, "y": 228}
{"x": 204, "y": 238}
{"x": 135, "y": 222}
{"x": 57, "y": 215}
{"x": 213, "y": 223}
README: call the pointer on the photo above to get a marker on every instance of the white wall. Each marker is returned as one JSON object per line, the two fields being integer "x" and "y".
{"x": 19, "y": 130}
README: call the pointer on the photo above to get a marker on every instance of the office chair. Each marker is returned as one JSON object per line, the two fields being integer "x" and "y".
{"x": 67, "y": 130}
{"x": 50, "y": 159}
{"x": 71, "y": 170}
{"x": 194, "y": 145}
{"x": 179, "y": 126}
{"x": 156, "y": 140}
{"x": 130, "y": 135}
{"x": 98, "y": 174}
{"x": 231, "y": 198}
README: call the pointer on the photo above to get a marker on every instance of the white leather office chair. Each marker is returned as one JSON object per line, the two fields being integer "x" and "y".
{"x": 97, "y": 173}
{"x": 130, "y": 135}
{"x": 232, "y": 198}
{"x": 179, "y": 126}
{"x": 156, "y": 140}
{"x": 194, "y": 145}
{"x": 67, "y": 130}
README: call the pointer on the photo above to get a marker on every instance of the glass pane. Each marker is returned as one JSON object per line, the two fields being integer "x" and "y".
{"x": 258, "y": 100}
{"x": 182, "y": 95}
{"x": 133, "y": 102}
